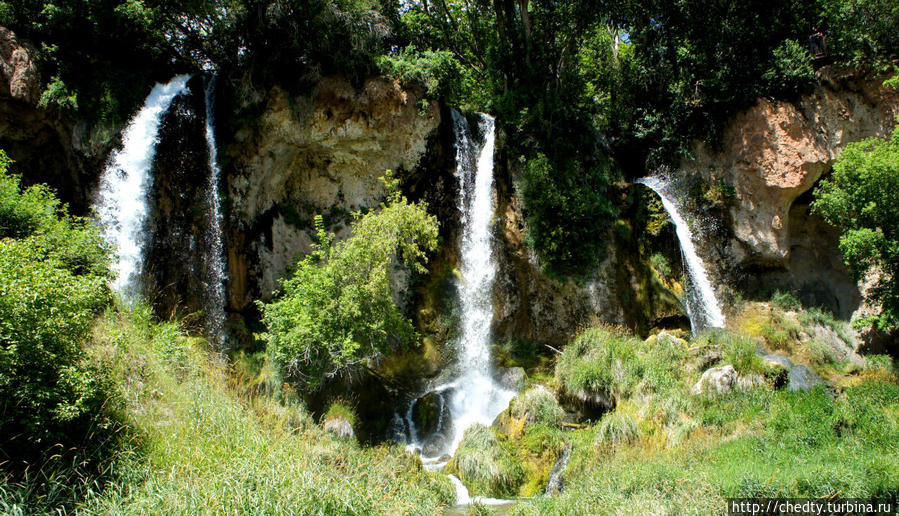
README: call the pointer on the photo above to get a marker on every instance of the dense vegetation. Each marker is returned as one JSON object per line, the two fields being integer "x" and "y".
{"x": 104, "y": 410}
{"x": 53, "y": 274}
{"x": 647, "y": 75}
{"x": 337, "y": 312}
{"x": 861, "y": 198}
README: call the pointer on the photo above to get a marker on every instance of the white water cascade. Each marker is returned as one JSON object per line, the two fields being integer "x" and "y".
{"x": 122, "y": 202}
{"x": 472, "y": 396}
{"x": 215, "y": 260}
{"x": 702, "y": 304}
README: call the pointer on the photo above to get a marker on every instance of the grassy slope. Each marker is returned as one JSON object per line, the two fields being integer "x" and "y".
{"x": 199, "y": 448}
{"x": 690, "y": 453}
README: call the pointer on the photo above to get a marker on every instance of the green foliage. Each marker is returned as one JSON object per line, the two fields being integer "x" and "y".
{"x": 53, "y": 274}
{"x": 863, "y": 31}
{"x": 567, "y": 206}
{"x": 754, "y": 443}
{"x": 336, "y": 313}
{"x": 860, "y": 198}
{"x": 791, "y": 71}
{"x": 613, "y": 365}
{"x": 485, "y": 464}
{"x": 203, "y": 443}
{"x": 342, "y": 410}
{"x": 438, "y": 71}
{"x": 661, "y": 265}
{"x": 785, "y": 300}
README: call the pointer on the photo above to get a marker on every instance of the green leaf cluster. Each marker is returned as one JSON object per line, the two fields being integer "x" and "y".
{"x": 337, "y": 313}
{"x": 860, "y": 198}
{"x": 53, "y": 281}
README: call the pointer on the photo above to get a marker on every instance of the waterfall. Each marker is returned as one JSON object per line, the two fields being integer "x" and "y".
{"x": 477, "y": 397}
{"x": 556, "y": 480}
{"x": 702, "y": 304}
{"x": 472, "y": 396}
{"x": 124, "y": 186}
{"x": 214, "y": 259}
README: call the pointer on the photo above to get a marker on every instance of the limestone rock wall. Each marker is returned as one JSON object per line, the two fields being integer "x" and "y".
{"x": 322, "y": 153}
{"x": 775, "y": 151}
{"x": 773, "y": 154}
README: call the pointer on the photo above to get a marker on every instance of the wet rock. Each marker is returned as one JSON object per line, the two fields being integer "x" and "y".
{"x": 511, "y": 378}
{"x": 429, "y": 411}
{"x": 339, "y": 427}
{"x": 801, "y": 377}
{"x": 719, "y": 381}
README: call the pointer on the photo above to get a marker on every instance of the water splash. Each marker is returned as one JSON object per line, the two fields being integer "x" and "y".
{"x": 214, "y": 259}
{"x": 122, "y": 201}
{"x": 473, "y": 396}
{"x": 702, "y": 304}
{"x": 556, "y": 480}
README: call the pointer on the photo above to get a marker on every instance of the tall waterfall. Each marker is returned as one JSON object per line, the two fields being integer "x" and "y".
{"x": 702, "y": 304}
{"x": 215, "y": 260}
{"x": 473, "y": 396}
{"x": 122, "y": 202}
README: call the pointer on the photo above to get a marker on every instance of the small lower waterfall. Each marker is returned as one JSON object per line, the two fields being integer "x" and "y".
{"x": 472, "y": 396}
{"x": 215, "y": 260}
{"x": 702, "y": 304}
{"x": 122, "y": 202}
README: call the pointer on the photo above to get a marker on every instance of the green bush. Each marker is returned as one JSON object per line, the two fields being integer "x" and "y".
{"x": 860, "y": 198}
{"x": 617, "y": 428}
{"x": 567, "y": 205}
{"x": 791, "y": 72}
{"x": 336, "y": 313}
{"x": 53, "y": 282}
{"x": 612, "y": 365}
{"x": 438, "y": 71}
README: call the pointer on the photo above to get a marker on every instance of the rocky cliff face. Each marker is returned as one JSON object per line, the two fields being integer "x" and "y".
{"x": 771, "y": 155}
{"x": 533, "y": 306}
{"x": 322, "y": 153}
{"x": 46, "y": 146}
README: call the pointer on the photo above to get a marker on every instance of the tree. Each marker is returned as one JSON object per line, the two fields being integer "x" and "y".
{"x": 861, "y": 198}
{"x": 337, "y": 312}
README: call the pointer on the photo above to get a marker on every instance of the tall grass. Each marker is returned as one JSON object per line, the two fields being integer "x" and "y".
{"x": 203, "y": 448}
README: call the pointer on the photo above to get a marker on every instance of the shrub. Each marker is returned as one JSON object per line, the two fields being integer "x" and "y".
{"x": 604, "y": 363}
{"x": 53, "y": 274}
{"x": 538, "y": 406}
{"x": 617, "y": 428}
{"x": 790, "y": 73}
{"x": 860, "y": 198}
{"x": 785, "y": 300}
{"x": 438, "y": 71}
{"x": 336, "y": 313}
{"x": 339, "y": 409}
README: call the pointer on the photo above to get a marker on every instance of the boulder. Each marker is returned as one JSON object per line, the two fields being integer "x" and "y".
{"x": 719, "y": 381}
{"x": 511, "y": 378}
{"x": 339, "y": 427}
